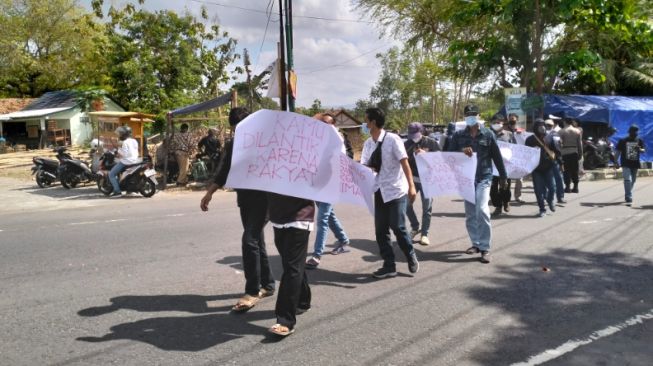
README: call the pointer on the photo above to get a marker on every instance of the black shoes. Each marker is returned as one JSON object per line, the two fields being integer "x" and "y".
{"x": 413, "y": 264}
{"x": 485, "y": 257}
{"x": 384, "y": 273}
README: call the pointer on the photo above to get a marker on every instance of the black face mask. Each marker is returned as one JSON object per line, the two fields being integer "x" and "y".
{"x": 632, "y": 134}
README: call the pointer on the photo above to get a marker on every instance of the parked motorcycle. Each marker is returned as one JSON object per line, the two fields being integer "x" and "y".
{"x": 74, "y": 171}
{"x": 45, "y": 171}
{"x": 138, "y": 177}
{"x": 595, "y": 154}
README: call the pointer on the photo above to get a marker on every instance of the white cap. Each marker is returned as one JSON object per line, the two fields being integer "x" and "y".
{"x": 549, "y": 122}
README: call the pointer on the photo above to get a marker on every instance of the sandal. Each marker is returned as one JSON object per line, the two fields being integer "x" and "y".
{"x": 245, "y": 303}
{"x": 281, "y": 330}
{"x": 472, "y": 250}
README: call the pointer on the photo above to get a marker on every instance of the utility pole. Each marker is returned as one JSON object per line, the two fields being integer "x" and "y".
{"x": 282, "y": 62}
{"x": 250, "y": 96}
{"x": 289, "y": 52}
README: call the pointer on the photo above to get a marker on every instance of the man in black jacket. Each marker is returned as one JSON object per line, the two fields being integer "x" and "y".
{"x": 253, "y": 204}
{"x": 543, "y": 180}
{"x": 629, "y": 149}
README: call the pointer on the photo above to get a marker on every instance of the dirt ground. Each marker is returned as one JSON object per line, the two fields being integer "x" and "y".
{"x": 18, "y": 165}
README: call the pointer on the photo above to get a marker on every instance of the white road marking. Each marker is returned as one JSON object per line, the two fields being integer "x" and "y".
{"x": 84, "y": 223}
{"x": 175, "y": 215}
{"x": 116, "y": 220}
{"x": 589, "y": 222}
{"x": 569, "y": 346}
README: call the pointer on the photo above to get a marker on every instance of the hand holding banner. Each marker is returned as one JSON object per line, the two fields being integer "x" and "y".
{"x": 447, "y": 173}
{"x": 519, "y": 160}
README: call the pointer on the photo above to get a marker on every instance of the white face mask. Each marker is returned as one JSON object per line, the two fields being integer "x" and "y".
{"x": 471, "y": 120}
{"x": 497, "y": 126}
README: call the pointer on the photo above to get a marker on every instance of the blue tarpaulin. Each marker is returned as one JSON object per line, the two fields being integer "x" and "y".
{"x": 614, "y": 111}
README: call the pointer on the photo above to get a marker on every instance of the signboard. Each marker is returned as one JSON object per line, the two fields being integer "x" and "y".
{"x": 514, "y": 99}
{"x": 519, "y": 160}
{"x": 447, "y": 174}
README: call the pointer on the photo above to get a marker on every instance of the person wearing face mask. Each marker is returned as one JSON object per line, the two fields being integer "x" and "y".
{"x": 479, "y": 140}
{"x": 512, "y": 127}
{"x": 543, "y": 181}
{"x": 500, "y": 197}
{"x": 416, "y": 144}
{"x": 629, "y": 149}
{"x": 552, "y": 131}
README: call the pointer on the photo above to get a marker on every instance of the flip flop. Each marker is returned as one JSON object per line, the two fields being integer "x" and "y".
{"x": 245, "y": 303}
{"x": 281, "y": 330}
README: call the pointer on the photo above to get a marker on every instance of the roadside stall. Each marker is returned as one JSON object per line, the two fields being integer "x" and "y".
{"x": 105, "y": 124}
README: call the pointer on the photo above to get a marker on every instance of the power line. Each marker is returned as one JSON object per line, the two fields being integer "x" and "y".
{"x": 342, "y": 63}
{"x": 294, "y": 15}
{"x": 269, "y": 9}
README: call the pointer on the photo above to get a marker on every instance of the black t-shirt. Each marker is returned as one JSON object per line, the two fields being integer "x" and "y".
{"x": 629, "y": 148}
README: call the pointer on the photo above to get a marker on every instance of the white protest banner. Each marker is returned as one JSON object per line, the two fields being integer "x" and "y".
{"x": 356, "y": 182}
{"x": 295, "y": 155}
{"x": 519, "y": 160}
{"x": 447, "y": 173}
{"x": 522, "y": 136}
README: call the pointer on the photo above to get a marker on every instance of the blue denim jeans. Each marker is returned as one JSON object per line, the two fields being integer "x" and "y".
{"x": 477, "y": 216}
{"x": 427, "y": 207}
{"x": 557, "y": 176}
{"x": 544, "y": 186}
{"x": 113, "y": 176}
{"x": 630, "y": 176}
{"x": 391, "y": 215}
{"x": 326, "y": 219}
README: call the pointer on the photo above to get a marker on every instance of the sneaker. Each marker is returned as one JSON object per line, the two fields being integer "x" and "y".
{"x": 567, "y": 190}
{"x": 414, "y": 233}
{"x": 552, "y": 207}
{"x": 115, "y": 194}
{"x": 497, "y": 211}
{"x": 312, "y": 262}
{"x": 424, "y": 240}
{"x": 506, "y": 207}
{"x": 541, "y": 214}
{"x": 413, "y": 264}
{"x": 302, "y": 310}
{"x": 574, "y": 190}
{"x": 341, "y": 249}
{"x": 472, "y": 250}
{"x": 384, "y": 273}
{"x": 485, "y": 256}
{"x": 561, "y": 201}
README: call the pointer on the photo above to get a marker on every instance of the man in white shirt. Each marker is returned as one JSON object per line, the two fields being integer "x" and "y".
{"x": 394, "y": 188}
{"x": 127, "y": 155}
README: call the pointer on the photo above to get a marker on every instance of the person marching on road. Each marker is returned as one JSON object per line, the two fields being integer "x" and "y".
{"x": 326, "y": 217}
{"x": 416, "y": 144}
{"x": 385, "y": 153}
{"x": 259, "y": 281}
{"x": 629, "y": 149}
{"x": 501, "y": 197}
{"x": 479, "y": 140}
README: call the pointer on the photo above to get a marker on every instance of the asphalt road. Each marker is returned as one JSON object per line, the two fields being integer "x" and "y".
{"x": 92, "y": 281}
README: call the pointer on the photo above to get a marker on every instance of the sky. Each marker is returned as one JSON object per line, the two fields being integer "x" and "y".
{"x": 334, "y": 59}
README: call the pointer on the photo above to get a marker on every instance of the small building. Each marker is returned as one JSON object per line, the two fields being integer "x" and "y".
{"x": 351, "y": 127}
{"x": 56, "y": 118}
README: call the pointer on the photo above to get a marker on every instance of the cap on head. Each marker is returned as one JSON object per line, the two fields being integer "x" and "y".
{"x": 415, "y": 130}
{"x": 471, "y": 110}
{"x": 633, "y": 128}
{"x": 549, "y": 122}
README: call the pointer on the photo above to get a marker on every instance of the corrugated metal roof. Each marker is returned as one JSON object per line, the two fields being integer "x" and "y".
{"x": 56, "y": 99}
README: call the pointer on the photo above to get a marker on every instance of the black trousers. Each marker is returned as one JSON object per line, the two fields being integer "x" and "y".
{"x": 500, "y": 197}
{"x": 294, "y": 291}
{"x": 571, "y": 169}
{"x": 255, "y": 258}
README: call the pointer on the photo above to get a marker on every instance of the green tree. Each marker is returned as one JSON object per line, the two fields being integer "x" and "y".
{"x": 49, "y": 45}
{"x": 161, "y": 60}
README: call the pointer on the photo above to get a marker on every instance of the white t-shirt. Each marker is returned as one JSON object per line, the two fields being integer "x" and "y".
{"x": 128, "y": 152}
{"x": 391, "y": 180}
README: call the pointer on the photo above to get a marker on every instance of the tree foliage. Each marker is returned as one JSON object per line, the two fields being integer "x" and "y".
{"x": 161, "y": 60}
{"x": 589, "y": 46}
{"x": 49, "y": 45}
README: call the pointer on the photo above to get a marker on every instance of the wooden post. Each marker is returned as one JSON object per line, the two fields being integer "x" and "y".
{"x": 165, "y": 145}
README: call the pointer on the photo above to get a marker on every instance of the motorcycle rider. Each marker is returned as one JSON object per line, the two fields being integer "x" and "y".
{"x": 128, "y": 155}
